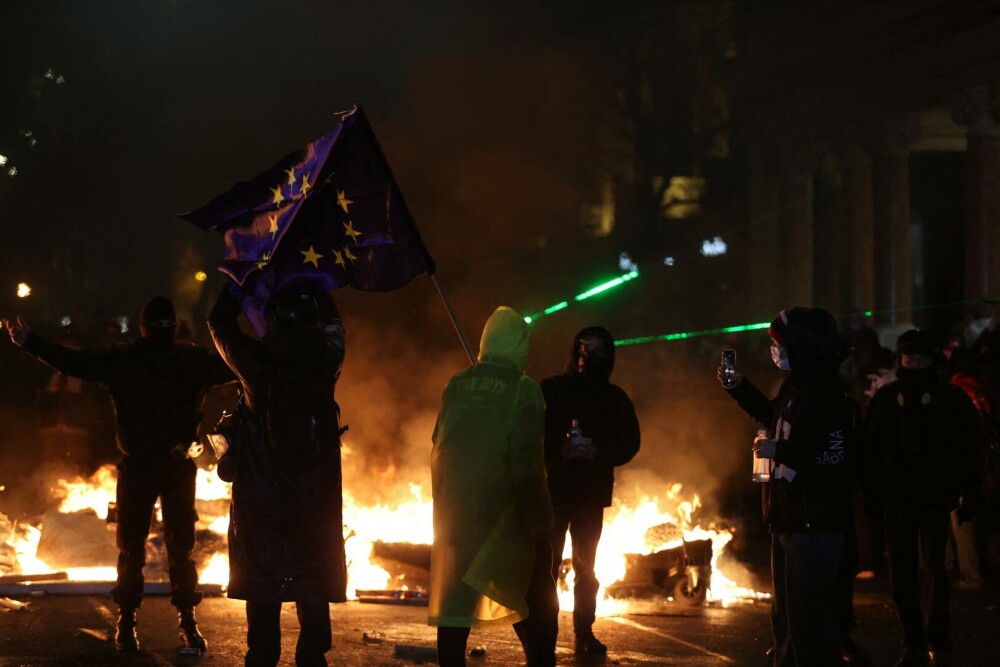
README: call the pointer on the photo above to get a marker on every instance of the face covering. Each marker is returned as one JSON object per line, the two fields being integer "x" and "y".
{"x": 779, "y": 355}
{"x": 592, "y": 356}
{"x": 160, "y": 338}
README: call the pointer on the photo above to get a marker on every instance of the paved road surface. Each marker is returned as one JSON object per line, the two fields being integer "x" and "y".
{"x": 673, "y": 635}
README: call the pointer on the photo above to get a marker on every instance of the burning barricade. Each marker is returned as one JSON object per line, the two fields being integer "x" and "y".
{"x": 652, "y": 549}
{"x": 76, "y": 542}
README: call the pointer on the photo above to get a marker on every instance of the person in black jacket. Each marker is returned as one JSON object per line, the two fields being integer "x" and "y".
{"x": 157, "y": 387}
{"x": 924, "y": 461}
{"x": 286, "y": 540}
{"x": 808, "y": 503}
{"x": 581, "y": 467}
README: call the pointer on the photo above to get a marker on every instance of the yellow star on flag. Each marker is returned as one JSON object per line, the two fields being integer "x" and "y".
{"x": 350, "y": 231}
{"x": 278, "y": 197}
{"x": 343, "y": 200}
{"x": 311, "y": 256}
{"x": 273, "y": 219}
{"x": 305, "y": 183}
{"x": 291, "y": 176}
{"x": 348, "y": 255}
{"x": 262, "y": 262}
{"x": 339, "y": 258}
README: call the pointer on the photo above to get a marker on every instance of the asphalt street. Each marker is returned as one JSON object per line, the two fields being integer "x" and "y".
{"x": 49, "y": 633}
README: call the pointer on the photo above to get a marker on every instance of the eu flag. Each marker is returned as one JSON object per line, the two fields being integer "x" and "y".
{"x": 326, "y": 216}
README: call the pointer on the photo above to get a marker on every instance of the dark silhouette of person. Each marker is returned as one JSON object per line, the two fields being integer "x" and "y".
{"x": 157, "y": 387}
{"x": 581, "y": 466}
{"x": 286, "y": 541}
{"x": 808, "y": 504}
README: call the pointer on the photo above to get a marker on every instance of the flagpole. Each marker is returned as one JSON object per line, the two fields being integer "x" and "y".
{"x": 454, "y": 320}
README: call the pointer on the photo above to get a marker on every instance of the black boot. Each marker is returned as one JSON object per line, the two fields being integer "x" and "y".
{"x": 589, "y": 644}
{"x": 191, "y": 638}
{"x": 126, "y": 639}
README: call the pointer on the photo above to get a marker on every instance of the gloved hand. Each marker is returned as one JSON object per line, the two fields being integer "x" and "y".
{"x": 734, "y": 380}
{"x": 18, "y": 330}
{"x": 765, "y": 448}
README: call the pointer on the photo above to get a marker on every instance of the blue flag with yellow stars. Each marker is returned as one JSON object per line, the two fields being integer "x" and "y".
{"x": 326, "y": 216}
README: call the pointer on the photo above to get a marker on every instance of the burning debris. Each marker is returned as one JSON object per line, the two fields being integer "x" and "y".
{"x": 652, "y": 548}
{"x": 79, "y": 537}
{"x": 12, "y": 605}
{"x": 683, "y": 573}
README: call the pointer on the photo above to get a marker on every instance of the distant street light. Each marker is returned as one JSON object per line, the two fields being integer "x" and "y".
{"x": 201, "y": 276}
{"x": 23, "y": 290}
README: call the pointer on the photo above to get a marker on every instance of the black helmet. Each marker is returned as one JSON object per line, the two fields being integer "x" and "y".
{"x": 292, "y": 310}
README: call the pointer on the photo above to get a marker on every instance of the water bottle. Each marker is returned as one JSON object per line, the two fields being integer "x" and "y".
{"x": 573, "y": 437}
{"x": 761, "y": 467}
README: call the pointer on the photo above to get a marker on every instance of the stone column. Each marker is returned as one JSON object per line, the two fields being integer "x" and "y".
{"x": 891, "y": 207}
{"x": 979, "y": 110}
{"x": 764, "y": 264}
{"x": 857, "y": 279}
{"x": 828, "y": 232}
{"x": 795, "y": 221}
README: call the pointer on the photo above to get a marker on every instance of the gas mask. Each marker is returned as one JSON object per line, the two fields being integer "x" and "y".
{"x": 592, "y": 356}
{"x": 779, "y": 355}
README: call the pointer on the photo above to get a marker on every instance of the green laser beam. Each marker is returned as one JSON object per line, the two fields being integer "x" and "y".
{"x": 764, "y": 325}
{"x": 593, "y": 291}
{"x": 552, "y": 309}
{"x": 693, "y": 334}
{"x": 604, "y": 287}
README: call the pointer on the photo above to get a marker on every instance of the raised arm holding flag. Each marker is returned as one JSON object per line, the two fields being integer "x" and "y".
{"x": 327, "y": 215}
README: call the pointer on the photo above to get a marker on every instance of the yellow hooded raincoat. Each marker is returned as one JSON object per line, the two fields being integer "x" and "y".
{"x": 491, "y": 499}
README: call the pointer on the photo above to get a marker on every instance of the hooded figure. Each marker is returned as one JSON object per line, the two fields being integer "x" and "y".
{"x": 808, "y": 504}
{"x": 924, "y": 461}
{"x": 286, "y": 539}
{"x": 492, "y": 514}
{"x": 157, "y": 388}
{"x": 581, "y": 463}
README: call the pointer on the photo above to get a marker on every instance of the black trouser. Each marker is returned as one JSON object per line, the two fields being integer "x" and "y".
{"x": 139, "y": 485}
{"x": 805, "y": 613}
{"x": 585, "y": 525}
{"x": 913, "y": 537}
{"x": 451, "y": 643}
{"x": 845, "y": 586}
{"x": 537, "y": 633}
{"x": 264, "y": 633}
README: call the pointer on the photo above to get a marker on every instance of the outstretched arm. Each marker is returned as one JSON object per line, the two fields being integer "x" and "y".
{"x": 91, "y": 366}
{"x": 752, "y": 400}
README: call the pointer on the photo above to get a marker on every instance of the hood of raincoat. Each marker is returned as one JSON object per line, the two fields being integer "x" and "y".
{"x": 506, "y": 338}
